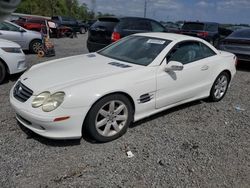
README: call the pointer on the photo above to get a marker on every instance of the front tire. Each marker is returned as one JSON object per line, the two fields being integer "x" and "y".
{"x": 109, "y": 118}
{"x": 2, "y": 72}
{"x": 35, "y": 46}
{"x": 219, "y": 87}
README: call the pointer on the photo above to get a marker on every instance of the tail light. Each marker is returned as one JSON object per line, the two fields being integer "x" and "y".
{"x": 202, "y": 34}
{"x": 115, "y": 36}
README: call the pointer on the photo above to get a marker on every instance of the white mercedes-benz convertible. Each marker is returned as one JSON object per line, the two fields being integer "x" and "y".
{"x": 102, "y": 93}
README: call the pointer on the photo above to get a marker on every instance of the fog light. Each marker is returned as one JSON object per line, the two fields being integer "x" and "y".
{"x": 21, "y": 65}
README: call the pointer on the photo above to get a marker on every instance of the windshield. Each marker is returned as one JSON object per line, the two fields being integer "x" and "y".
{"x": 136, "y": 49}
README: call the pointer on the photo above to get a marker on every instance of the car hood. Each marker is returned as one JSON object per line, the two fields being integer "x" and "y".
{"x": 66, "y": 72}
{"x": 7, "y": 43}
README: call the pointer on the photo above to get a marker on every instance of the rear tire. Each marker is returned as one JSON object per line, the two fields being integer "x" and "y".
{"x": 219, "y": 87}
{"x": 109, "y": 118}
{"x": 2, "y": 72}
{"x": 35, "y": 46}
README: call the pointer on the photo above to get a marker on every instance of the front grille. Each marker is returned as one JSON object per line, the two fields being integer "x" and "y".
{"x": 21, "y": 92}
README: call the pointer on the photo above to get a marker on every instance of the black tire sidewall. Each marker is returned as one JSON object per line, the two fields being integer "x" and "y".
{"x": 2, "y": 72}
{"x": 89, "y": 124}
{"x": 32, "y": 44}
{"x": 212, "y": 97}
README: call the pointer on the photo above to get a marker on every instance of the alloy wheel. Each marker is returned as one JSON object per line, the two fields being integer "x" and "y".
{"x": 220, "y": 87}
{"x": 111, "y": 118}
{"x": 36, "y": 47}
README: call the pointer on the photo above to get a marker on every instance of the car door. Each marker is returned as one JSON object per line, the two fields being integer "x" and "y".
{"x": 190, "y": 83}
{"x": 12, "y": 33}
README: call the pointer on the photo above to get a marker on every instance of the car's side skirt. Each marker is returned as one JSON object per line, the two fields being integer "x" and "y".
{"x": 147, "y": 114}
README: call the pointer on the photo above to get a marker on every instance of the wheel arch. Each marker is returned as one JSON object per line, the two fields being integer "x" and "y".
{"x": 5, "y": 64}
{"x": 218, "y": 73}
{"x": 211, "y": 97}
{"x": 35, "y": 39}
{"x": 113, "y": 93}
{"x": 229, "y": 74}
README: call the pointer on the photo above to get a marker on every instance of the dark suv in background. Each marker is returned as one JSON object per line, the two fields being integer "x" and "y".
{"x": 110, "y": 29}
{"x": 69, "y": 22}
{"x": 209, "y": 31}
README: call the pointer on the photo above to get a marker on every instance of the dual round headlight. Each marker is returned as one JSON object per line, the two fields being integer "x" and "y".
{"x": 49, "y": 102}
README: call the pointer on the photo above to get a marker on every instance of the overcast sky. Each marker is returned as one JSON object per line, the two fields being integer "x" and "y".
{"x": 223, "y": 11}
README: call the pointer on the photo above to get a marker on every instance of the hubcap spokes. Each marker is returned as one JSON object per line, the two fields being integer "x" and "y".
{"x": 37, "y": 46}
{"x": 111, "y": 118}
{"x": 220, "y": 87}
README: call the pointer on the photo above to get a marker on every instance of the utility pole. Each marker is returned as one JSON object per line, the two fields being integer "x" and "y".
{"x": 145, "y": 9}
{"x": 93, "y": 4}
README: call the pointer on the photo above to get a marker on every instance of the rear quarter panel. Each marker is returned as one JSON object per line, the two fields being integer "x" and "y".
{"x": 226, "y": 61}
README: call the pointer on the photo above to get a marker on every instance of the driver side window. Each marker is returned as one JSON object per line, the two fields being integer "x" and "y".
{"x": 190, "y": 51}
{"x": 185, "y": 53}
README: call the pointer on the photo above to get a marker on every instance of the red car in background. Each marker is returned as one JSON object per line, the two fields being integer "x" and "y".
{"x": 31, "y": 23}
{"x": 37, "y": 24}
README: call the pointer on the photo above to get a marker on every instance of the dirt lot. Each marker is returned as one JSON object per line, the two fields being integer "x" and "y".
{"x": 200, "y": 144}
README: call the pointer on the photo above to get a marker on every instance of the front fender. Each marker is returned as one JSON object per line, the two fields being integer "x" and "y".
{"x": 87, "y": 94}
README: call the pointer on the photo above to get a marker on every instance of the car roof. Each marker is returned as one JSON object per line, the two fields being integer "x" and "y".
{"x": 168, "y": 36}
{"x": 201, "y": 22}
{"x": 32, "y": 18}
{"x": 124, "y": 17}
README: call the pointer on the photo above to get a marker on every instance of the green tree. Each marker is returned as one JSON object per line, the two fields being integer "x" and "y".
{"x": 58, "y": 7}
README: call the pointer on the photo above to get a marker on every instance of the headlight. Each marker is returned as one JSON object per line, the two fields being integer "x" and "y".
{"x": 40, "y": 99}
{"x": 53, "y": 102}
{"x": 12, "y": 50}
{"x": 47, "y": 101}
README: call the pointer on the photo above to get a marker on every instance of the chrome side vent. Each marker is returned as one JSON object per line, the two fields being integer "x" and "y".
{"x": 145, "y": 98}
{"x": 119, "y": 65}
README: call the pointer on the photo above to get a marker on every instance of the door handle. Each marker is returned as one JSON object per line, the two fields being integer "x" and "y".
{"x": 0, "y": 33}
{"x": 205, "y": 67}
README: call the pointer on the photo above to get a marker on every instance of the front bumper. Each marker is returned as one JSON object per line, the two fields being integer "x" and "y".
{"x": 43, "y": 123}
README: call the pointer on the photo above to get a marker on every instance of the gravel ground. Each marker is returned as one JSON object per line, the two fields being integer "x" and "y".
{"x": 200, "y": 144}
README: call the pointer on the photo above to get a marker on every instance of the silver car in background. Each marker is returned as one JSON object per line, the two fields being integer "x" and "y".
{"x": 12, "y": 59}
{"x": 238, "y": 43}
{"x": 28, "y": 40}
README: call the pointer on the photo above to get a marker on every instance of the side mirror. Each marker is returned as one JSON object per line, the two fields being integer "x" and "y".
{"x": 174, "y": 66}
{"x": 21, "y": 30}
